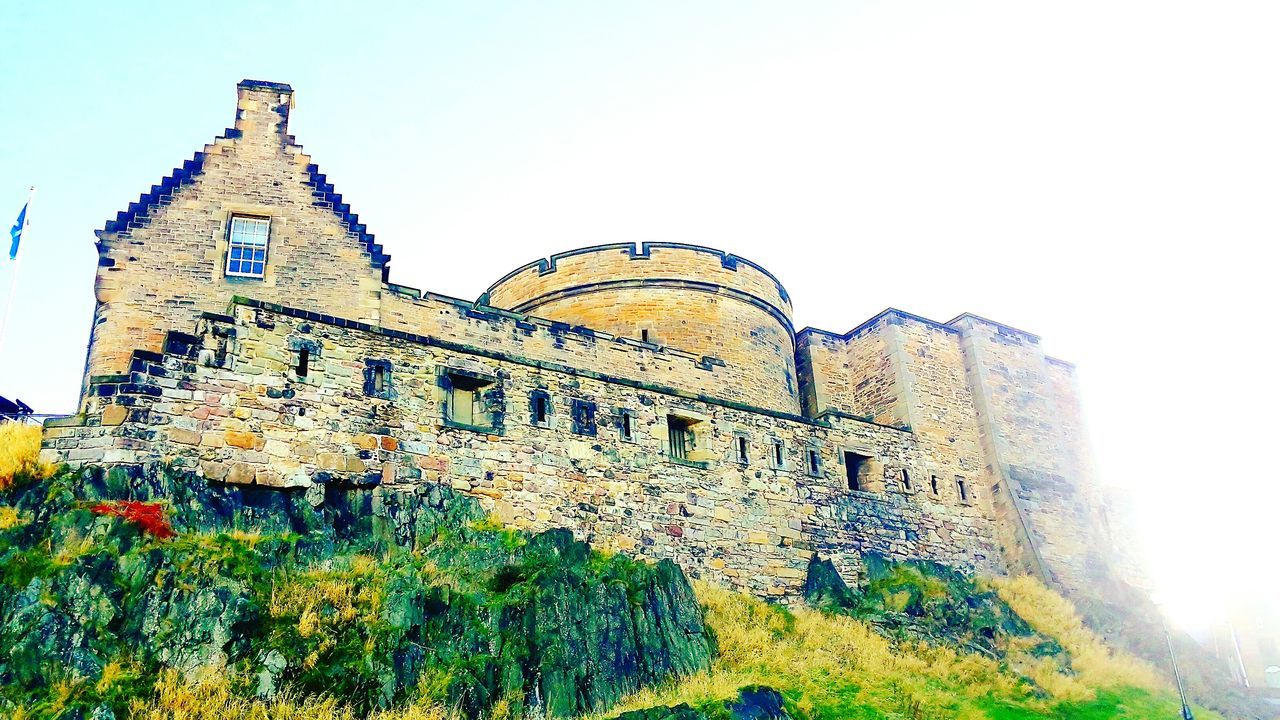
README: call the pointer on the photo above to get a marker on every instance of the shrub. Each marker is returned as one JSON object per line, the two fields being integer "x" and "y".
{"x": 149, "y": 517}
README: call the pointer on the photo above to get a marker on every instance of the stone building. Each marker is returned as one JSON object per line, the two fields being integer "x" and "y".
{"x": 656, "y": 399}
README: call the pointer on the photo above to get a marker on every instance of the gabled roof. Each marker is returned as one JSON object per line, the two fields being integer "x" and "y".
{"x": 322, "y": 191}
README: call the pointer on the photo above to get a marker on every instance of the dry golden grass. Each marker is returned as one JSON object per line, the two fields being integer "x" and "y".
{"x": 1096, "y": 665}
{"x": 20, "y": 452}
{"x": 828, "y": 662}
{"x": 214, "y": 699}
{"x": 10, "y": 518}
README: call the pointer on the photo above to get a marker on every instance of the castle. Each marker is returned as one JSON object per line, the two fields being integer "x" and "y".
{"x": 654, "y": 399}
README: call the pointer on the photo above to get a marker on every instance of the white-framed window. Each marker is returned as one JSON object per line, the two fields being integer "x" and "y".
{"x": 247, "y": 246}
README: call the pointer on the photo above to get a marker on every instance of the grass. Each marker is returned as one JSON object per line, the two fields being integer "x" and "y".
{"x": 826, "y": 665}
{"x": 832, "y": 666}
{"x": 20, "y": 453}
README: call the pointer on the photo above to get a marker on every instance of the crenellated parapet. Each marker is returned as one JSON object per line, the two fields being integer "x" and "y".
{"x": 695, "y": 298}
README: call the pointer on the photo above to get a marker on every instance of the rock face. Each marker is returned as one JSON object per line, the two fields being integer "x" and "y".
{"x": 754, "y": 702}
{"x": 365, "y": 593}
{"x": 918, "y": 600}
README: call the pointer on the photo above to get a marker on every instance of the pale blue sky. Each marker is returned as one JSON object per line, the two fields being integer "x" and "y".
{"x": 1104, "y": 174}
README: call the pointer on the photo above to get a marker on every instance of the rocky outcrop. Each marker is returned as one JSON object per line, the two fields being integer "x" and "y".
{"x": 365, "y": 593}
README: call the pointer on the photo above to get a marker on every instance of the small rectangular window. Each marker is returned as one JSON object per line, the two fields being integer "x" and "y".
{"x": 855, "y": 467}
{"x": 777, "y": 455}
{"x": 814, "y": 463}
{"x": 626, "y": 425}
{"x": 679, "y": 437}
{"x": 377, "y": 378}
{"x": 466, "y": 404}
{"x": 540, "y": 408}
{"x": 962, "y": 489}
{"x": 582, "y": 415}
{"x": 935, "y": 489}
{"x": 742, "y": 449}
{"x": 247, "y": 246}
{"x": 905, "y": 480}
{"x": 304, "y": 362}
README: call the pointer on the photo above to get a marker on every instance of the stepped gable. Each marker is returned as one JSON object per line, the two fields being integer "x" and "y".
{"x": 323, "y": 191}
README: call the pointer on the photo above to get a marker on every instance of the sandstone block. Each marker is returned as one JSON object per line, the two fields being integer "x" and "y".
{"x": 246, "y": 440}
{"x": 114, "y": 414}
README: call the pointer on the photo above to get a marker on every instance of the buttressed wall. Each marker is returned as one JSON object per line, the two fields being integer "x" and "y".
{"x": 652, "y": 398}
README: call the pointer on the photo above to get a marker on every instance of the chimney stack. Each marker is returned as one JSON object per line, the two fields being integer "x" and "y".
{"x": 262, "y": 109}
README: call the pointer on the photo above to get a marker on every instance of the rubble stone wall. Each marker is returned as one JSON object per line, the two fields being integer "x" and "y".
{"x": 229, "y": 404}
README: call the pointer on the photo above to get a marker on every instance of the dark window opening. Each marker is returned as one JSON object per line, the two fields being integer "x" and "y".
{"x": 680, "y": 437}
{"x": 304, "y": 359}
{"x": 541, "y": 410}
{"x": 644, "y": 335}
{"x": 962, "y": 488}
{"x": 906, "y": 481}
{"x": 815, "y": 461}
{"x": 583, "y": 416}
{"x": 778, "y": 456}
{"x": 626, "y": 426}
{"x": 377, "y": 378}
{"x": 933, "y": 485}
{"x": 743, "y": 447}
{"x": 855, "y": 466}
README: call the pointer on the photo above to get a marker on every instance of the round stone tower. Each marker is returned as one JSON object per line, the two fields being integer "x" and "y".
{"x": 687, "y": 297}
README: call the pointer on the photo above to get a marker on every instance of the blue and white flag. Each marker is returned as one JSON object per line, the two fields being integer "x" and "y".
{"x": 16, "y": 231}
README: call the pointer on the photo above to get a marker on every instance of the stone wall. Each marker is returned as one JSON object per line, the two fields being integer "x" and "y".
{"x": 851, "y": 373}
{"x": 228, "y": 403}
{"x": 495, "y": 330}
{"x": 694, "y": 298}
{"x": 162, "y": 261}
{"x": 1028, "y": 420}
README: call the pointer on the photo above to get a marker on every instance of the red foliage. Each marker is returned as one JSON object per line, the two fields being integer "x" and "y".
{"x": 149, "y": 517}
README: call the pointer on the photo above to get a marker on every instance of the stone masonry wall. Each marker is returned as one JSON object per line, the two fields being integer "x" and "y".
{"x": 1046, "y": 495}
{"x": 852, "y": 373}
{"x": 162, "y": 262}
{"x": 697, "y": 299}
{"x": 228, "y": 403}
{"x": 495, "y": 330}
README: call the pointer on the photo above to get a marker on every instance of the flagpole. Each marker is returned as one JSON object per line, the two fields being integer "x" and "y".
{"x": 17, "y": 265}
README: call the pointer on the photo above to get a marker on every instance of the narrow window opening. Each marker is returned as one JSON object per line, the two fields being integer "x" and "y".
{"x": 644, "y": 335}
{"x": 540, "y": 410}
{"x": 743, "y": 447}
{"x": 934, "y": 488}
{"x": 625, "y": 427}
{"x": 906, "y": 481}
{"x": 583, "y": 417}
{"x": 962, "y": 488}
{"x": 377, "y": 379}
{"x": 815, "y": 461}
{"x": 778, "y": 456}
{"x": 855, "y": 466}
{"x": 304, "y": 359}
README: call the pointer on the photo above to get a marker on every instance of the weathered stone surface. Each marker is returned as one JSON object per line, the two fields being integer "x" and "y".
{"x": 539, "y": 621}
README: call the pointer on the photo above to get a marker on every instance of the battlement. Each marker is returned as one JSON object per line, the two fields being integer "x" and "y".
{"x": 703, "y": 300}
{"x": 691, "y": 262}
